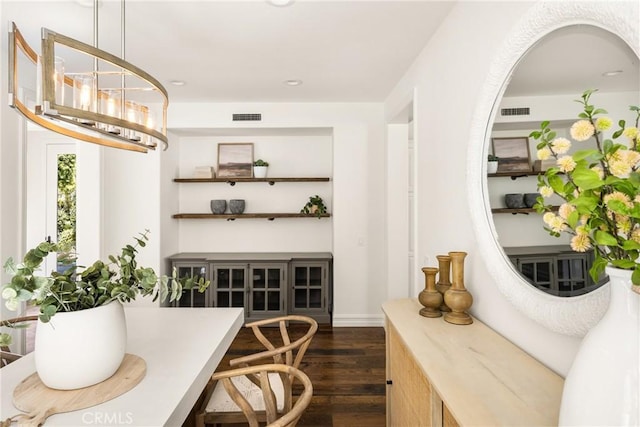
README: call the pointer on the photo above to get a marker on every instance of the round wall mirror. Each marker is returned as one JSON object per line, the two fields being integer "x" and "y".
{"x": 539, "y": 71}
{"x": 544, "y": 86}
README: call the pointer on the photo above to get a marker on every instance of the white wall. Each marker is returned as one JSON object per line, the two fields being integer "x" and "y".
{"x": 131, "y": 205}
{"x": 297, "y": 155}
{"x": 354, "y": 232}
{"x": 11, "y": 157}
{"x": 448, "y": 76}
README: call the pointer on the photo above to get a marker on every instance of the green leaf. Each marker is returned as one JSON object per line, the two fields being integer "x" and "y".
{"x": 586, "y": 179}
{"x": 635, "y": 276}
{"x": 583, "y": 154}
{"x": 618, "y": 207}
{"x": 625, "y": 264}
{"x": 10, "y": 267}
{"x": 557, "y": 184}
{"x": 604, "y": 238}
{"x": 629, "y": 245}
{"x": 585, "y": 203}
{"x": 597, "y": 268}
{"x": 573, "y": 218}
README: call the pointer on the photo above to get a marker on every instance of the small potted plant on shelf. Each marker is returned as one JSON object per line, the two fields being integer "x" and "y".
{"x": 260, "y": 168}
{"x": 315, "y": 206}
{"x": 81, "y": 315}
{"x": 492, "y": 163}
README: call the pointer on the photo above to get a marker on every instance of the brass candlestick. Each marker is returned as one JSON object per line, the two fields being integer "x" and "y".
{"x": 457, "y": 297}
{"x": 430, "y": 298}
{"x": 443, "y": 284}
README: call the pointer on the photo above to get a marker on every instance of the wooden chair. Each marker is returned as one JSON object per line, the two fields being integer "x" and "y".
{"x": 6, "y": 356}
{"x": 218, "y": 408}
{"x": 261, "y": 396}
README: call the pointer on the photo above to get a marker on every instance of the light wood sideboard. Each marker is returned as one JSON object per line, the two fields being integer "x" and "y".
{"x": 439, "y": 374}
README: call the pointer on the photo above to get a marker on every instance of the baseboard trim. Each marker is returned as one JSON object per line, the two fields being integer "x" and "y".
{"x": 357, "y": 320}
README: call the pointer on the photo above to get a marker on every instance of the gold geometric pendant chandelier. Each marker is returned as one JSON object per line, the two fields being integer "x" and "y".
{"x": 80, "y": 91}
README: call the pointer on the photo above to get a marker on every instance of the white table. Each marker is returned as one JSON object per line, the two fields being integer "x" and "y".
{"x": 181, "y": 346}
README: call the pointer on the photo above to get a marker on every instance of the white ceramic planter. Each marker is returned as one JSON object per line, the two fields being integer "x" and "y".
{"x": 260, "y": 171}
{"x": 603, "y": 384}
{"x": 81, "y": 348}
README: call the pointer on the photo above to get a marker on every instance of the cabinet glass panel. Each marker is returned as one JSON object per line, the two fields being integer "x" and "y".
{"x": 192, "y": 298}
{"x": 315, "y": 298}
{"x": 230, "y": 286}
{"x": 266, "y": 289}
{"x": 273, "y": 300}
{"x": 222, "y": 278}
{"x": 237, "y": 299}
{"x": 537, "y": 272}
{"x": 308, "y": 286}
{"x": 315, "y": 276}
{"x": 572, "y": 275}
{"x": 237, "y": 278}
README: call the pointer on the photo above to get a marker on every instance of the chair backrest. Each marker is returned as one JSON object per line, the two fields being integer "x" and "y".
{"x": 6, "y": 356}
{"x": 259, "y": 375}
{"x": 287, "y": 352}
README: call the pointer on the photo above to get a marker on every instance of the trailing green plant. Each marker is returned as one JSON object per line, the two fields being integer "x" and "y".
{"x": 315, "y": 206}
{"x": 260, "y": 162}
{"x": 120, "y": 279}
{"x": 600, "y": 188}
{"x": 492, "y": 158}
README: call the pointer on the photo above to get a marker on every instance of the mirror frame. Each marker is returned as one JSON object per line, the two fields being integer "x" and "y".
{"x": 572, "y": 316}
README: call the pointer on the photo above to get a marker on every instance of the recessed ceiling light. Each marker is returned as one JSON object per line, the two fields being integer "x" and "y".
{"x": 177, "y": 82}
{"x": 293, "y": 82}
{"x": 612, "y": 73}
{"x": 280, "y": 3}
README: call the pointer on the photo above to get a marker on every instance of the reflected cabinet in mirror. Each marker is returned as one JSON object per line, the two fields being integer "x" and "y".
{"x": 553, "y": 55}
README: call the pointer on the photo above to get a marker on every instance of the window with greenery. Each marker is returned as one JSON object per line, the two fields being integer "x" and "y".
{"x": 66, "y": 218}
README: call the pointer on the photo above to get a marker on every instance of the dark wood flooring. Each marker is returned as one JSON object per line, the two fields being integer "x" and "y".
{"x": 347, "y": 369}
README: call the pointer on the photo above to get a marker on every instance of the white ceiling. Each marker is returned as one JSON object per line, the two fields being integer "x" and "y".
{"x": 345, "y": 51}
{"x": 573, "y": 59}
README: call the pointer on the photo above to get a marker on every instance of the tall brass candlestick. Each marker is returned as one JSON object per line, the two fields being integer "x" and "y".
{"x": 443, "y": 284}
{"x": 430, "y": 298}
{"x": 458, "y": 298}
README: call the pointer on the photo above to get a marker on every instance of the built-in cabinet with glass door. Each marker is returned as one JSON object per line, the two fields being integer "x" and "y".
{"x": 309, "y": 290}
{"x": 266, "y": 285}
{"x": 193, "y": 298}
{"x": 556, "y": 270}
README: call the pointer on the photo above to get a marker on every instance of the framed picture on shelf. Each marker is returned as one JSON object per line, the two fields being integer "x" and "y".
{"x": 513, "y": 154}
{"x": 235, "y": 160}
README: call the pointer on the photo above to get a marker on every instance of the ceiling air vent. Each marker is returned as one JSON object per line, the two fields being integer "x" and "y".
{"x": 247, "y": 117}
{"x": 520, "y": 111}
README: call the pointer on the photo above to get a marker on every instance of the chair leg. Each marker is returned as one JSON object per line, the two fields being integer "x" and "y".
{"x": 200, "y": 419}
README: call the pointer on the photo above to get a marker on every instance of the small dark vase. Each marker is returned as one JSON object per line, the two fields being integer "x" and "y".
{"x": 218, "y": 206}
{"x": 514, "y": 200}
{"x": 530, "y": 199}
{"x": 236, "y": 206}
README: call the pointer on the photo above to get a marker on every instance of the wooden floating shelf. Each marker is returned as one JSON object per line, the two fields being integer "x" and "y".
{"x": 271, "y": 181}
{"x": 516, "y": 175}
{"x": 232, "y": 217}
{"x": 519, "y": 210}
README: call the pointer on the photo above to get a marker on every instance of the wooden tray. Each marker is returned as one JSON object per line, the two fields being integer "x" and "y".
{"x": 39, "y": 401}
